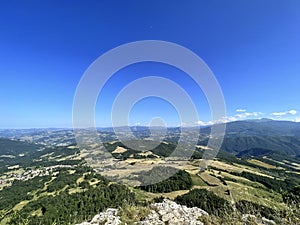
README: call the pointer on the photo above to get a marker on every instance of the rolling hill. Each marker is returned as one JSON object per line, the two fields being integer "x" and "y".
{"x": 279, "y": 136}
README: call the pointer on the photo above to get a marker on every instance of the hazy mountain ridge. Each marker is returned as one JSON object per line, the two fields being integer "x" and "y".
{"x": 279, "y": 136}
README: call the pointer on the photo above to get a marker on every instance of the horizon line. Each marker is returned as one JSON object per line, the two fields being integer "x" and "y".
{"x": 140, "y": 125}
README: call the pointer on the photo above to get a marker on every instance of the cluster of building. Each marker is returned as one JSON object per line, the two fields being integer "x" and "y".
{"x": 8, "y": 178}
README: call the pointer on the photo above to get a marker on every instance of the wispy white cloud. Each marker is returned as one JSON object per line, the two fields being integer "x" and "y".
{"x": 236, "y": 117}
{"x": 297, "y": 119}
{"x": 242, "y": 114}
{"x": 247, "y": 114}
{"x": 201, "y": 123}
{"x": 285, "y": 113}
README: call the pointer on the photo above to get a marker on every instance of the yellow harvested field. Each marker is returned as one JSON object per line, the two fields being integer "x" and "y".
{"x": 20, "y": 205}
{"x": 172, "y": 195}
{"x": 13, "y": 167}
{"x": 71, "y": 171}
{"x": 282, "y": 163}
{"x": 144, "y": 161}
{"x": 189, "y": 168}
{"x": 92, "y": 183}
{"x": 237, "y": 168}
{"x": 253, "y": 170}
{"x": 119, "y": 150}
{"x": 227, "y": 167}
{"x": 260, "y": 163}
{"x": 75, "y": 190}
{"x": 293, "y": 172}
{"x": 213, "y": 181}
{"x": 203, "y": 147}
{"x": 296, "y": 165}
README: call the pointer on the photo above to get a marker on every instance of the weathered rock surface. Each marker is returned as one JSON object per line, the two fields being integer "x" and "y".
{"x": 167, "y": 212}
{"x": 109, "y": 217}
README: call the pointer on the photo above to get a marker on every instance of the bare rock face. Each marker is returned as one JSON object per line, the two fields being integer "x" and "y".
{"x": 169, "y": 212}
{"x": 109, "y": 217}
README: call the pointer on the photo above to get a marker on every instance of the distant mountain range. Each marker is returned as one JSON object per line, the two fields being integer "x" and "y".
{"x": 242, "y": 138}
{"x": 262, "y": 127}
{"x": 265, "y": 134}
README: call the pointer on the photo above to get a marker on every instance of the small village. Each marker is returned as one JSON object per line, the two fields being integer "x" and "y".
{"x": 17, "y": 173}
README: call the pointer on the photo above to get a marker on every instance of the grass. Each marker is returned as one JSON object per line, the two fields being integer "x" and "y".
{"x": 253, "y": 170}
{"x": 131, "y": 213}
{"x": 256, "y": 195}
{"x": 227, "y": 167}
{"x": 93, "y": 182}
{"x": 197, "y": 181}
{"x": 80, "y": 179}
{"x": 241, "y": 180}
{"x": 20, "y": 205}
{"x": 143, "y": 196}
{"x": 172, "y": 195}
{"x": 210, "y": 180}
{"x": 260, "y": 163}
{"x": 75, "y": 190}
{"x": 37, "y": 212}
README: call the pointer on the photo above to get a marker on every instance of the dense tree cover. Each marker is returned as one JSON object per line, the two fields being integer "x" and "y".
{"x": 20, "y": 190}
{"x": 61, "y": 206}
{"x": 205, "y": 200}
{"x": 237, "y": 142}
{"x": 110, "y": 147}
{"x": 25, "y": 190}
{"x": 12, "y": 147}
{"x": 64, "y": 178}
{"x": 150, "y": 156}
{"x": 181, "y": 180}
{"x": 270, "y": 183}
{"x": 164, "y": 150}
{"x": 292, "y": 196}
{"x": 68, "y": 208}
{"x": 197, "y": 154}
{"x": 32, "y": 157}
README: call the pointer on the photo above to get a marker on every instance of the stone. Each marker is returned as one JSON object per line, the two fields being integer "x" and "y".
{"x": 110, "y": 217}
{"x": 169, "y": 212}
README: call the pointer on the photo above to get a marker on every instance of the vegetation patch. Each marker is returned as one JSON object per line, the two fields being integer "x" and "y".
{"x": 181, "y": 180}
{"x": 205, "y": 200}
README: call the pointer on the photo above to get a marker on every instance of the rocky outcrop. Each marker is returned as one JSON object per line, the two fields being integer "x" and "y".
{"x": 167, "y": 212}
{"x": 109, "y": 217}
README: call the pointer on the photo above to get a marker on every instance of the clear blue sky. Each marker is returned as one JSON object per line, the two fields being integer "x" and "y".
{"x": 253, "y": 48}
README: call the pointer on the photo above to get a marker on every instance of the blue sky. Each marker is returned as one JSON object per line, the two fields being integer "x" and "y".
{"x": 253, "y": 48}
